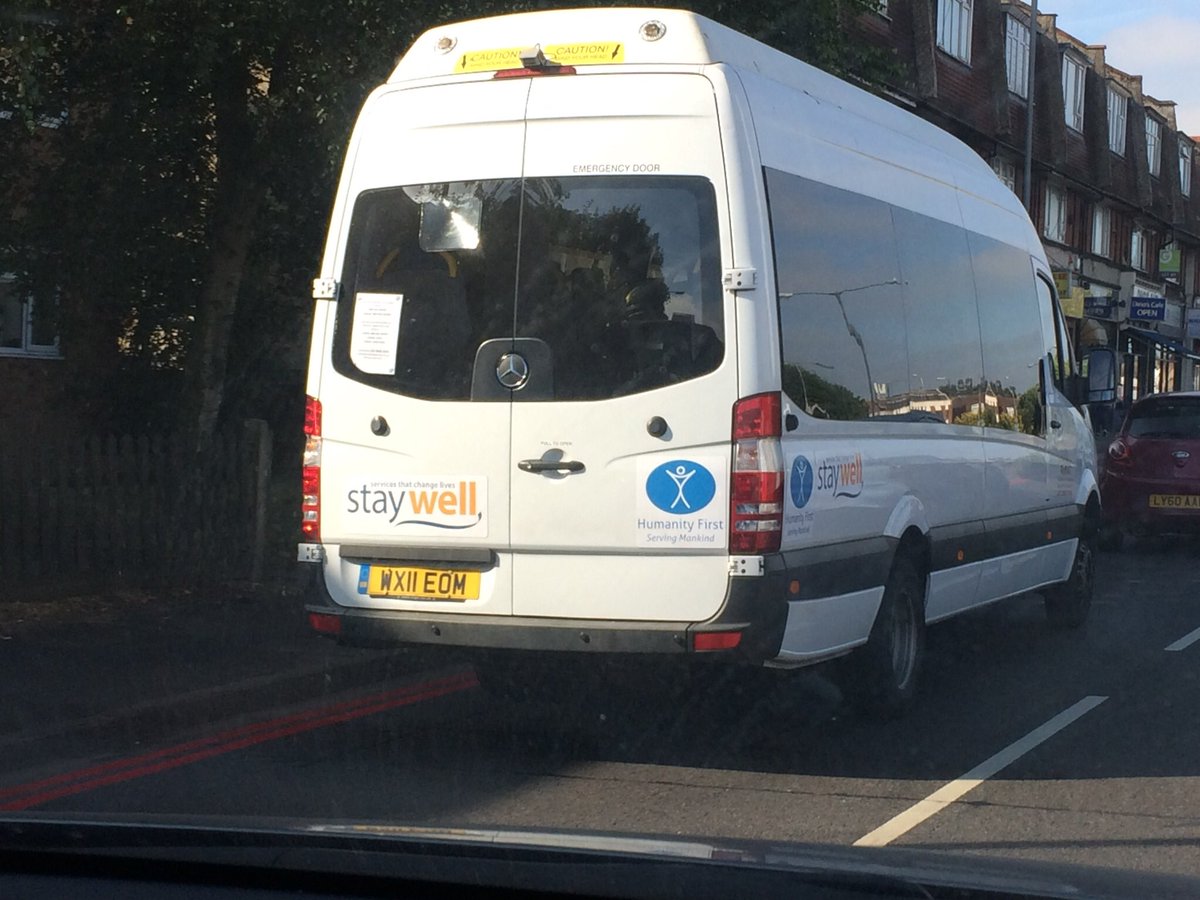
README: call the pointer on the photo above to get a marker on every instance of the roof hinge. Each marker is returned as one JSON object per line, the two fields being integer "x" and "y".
{"x": 324, "y": 289}
{"x": 743, "y": 279}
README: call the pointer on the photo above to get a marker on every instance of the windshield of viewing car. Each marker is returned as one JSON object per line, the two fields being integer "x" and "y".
{"x": 691, "y": 430}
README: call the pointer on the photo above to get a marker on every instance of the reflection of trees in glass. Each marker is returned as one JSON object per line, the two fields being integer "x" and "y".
{"x": 1028, "y": 410}
{"x": 822, "y": 398}
{"x": 989, "y": 417}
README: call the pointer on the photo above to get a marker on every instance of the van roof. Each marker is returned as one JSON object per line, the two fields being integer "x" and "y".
{"x": 648, "y": 38}
{"x": 642, "y": 37}
{"x": 601, "y": 36}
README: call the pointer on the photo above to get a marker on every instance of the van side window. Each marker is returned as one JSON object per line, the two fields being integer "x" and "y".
{"x": 877, "y": 309}
{"x": 840, "y": 304}
{"x": 942, "y": 321}
{"x": 1012, "y": 340}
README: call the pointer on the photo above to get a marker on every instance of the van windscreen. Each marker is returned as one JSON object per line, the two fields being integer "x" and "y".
{"x": 617, "y": 279}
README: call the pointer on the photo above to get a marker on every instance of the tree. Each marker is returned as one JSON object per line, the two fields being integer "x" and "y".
{"x": 821, "y": 397}
{"x": 182, "y": 207}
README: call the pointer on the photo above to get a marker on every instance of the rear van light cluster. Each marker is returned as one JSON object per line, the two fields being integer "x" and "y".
{"x": 310, "y": 503}
{"x": 756, "y": 483}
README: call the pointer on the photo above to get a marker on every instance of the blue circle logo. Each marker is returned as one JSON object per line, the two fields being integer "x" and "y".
{"x": 801, "y": 482}
{"x": 681, "y": 487}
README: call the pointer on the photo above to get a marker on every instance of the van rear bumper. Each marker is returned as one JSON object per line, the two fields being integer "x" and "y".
{"x": 755, "y": 608}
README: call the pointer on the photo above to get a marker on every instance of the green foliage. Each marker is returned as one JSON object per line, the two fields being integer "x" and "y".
{"x": 186, "y": 118}
{"x": 821, "y": 397}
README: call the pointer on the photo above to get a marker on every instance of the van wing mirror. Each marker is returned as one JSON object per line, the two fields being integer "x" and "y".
{"x": 1101, "y": 374}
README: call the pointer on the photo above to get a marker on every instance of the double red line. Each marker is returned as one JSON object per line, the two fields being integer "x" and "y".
{"x": 35, "y": 793}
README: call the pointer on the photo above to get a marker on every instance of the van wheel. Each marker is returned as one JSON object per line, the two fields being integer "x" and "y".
{"x": 884, "y": 674}
{"x": 1068, "y": 603}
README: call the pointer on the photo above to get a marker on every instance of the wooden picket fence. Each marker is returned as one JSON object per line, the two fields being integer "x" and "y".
{"x": 138, "y": 508}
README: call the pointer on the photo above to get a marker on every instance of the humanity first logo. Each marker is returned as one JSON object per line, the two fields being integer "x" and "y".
{"x": 681, "y": 487}
{"x": 801, "y": 482}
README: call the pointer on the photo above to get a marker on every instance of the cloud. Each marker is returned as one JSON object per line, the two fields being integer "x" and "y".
{"x": 1163, "y": 50}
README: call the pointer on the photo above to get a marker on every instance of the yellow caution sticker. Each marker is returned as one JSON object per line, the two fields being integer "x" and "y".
{"x": 591, "y": 54}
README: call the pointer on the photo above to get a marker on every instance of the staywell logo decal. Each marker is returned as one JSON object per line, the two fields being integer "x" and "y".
{"x": 417, "y": 505}
{"x": 841, "y": 476}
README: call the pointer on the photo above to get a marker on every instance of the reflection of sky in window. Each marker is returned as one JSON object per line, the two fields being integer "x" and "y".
{"x": 1008, "y": 316}
{"x": 940, "y": 312}
{"x": 830, "y": 241}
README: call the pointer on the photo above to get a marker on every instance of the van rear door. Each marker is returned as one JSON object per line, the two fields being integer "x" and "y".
{"x": 415, "y": 467}
{"x": 532, "y": 371}
{"x": 620, "y": 468}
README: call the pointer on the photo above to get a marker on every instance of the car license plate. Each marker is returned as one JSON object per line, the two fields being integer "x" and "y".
{"x": 1175, "y": 501}
{"x": 422, "y": 584}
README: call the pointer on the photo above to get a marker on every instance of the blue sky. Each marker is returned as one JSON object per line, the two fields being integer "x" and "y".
{"x": 1157, "y": 39}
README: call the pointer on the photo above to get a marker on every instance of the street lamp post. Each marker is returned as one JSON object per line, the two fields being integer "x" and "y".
{"x": 850, "y": 329}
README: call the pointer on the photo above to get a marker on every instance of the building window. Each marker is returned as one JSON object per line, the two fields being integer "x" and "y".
{"x": 1072, "y": 86}
{"x": 1137, "y": 249}
{"x": 27, "y": 327}
{"x": 1116, "y": 120}
{"x": 1153, "y": 144}
{"x": 1006, "y": 171}
{"x": 1016, "y": 55}
{"x": 1185, "y": 168}
{"x": 1055, "y": 225}
{"x": 1101, "y": 231}
{"x": 954, "y": 28}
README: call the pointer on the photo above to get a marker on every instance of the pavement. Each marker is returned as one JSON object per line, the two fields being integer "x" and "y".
{"x": 135, "y": 666}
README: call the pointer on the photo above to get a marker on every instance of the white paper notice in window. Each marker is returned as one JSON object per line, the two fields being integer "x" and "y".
{"x": 376, "y": 332}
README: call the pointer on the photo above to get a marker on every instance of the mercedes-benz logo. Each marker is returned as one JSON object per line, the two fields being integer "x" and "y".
{"x": 512, "y": 371}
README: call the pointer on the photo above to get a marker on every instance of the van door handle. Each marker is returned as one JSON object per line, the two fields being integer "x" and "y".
{"x": 1054, "y": 423}
{"x": 546, "y": 465}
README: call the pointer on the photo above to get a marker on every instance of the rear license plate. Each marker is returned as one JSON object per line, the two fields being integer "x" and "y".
{"x": 1175, "y": 501}
{"x": 422, "y": 584}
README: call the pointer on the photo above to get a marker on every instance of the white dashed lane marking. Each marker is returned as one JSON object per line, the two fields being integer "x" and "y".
{"x": 954, "y": 790}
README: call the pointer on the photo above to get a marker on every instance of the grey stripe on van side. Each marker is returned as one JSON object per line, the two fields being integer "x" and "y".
{"x": 859, "y": 565}
{"x": 839, "y": 568}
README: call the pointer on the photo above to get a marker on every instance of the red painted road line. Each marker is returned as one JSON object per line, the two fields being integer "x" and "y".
{"x": 128, "y": 769}
{"x": 219, "y": 737}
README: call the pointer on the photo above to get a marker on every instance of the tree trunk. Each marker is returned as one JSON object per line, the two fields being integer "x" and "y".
{"x": 239, "y": 198}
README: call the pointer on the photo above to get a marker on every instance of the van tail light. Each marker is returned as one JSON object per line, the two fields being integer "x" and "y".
{"x": 1119, "y": 453}
{"x": 756, "y": 485}
{"x": 325, "y": 623}
{"x": 310, "y": 503}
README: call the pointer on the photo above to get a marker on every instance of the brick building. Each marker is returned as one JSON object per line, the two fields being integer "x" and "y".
{"x": 1113, "y": 188}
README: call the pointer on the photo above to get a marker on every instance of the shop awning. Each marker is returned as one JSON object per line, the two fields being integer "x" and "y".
{"x": 1155, "y": 338}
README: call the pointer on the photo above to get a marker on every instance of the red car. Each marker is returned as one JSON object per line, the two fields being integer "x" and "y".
{"x": 1151, "y": 480}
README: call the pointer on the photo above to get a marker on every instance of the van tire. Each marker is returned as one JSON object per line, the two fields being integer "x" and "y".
{"x": 1068, "y": 603}
{"x": 884, "y": 673}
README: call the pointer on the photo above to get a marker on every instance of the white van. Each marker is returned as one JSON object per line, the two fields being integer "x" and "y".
{"x": 634, "y": 335}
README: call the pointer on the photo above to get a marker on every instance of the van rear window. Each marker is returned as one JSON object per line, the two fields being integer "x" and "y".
{"x": 615, "y": 280}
